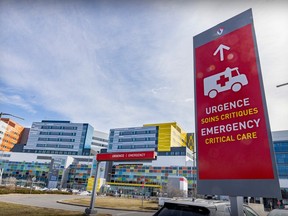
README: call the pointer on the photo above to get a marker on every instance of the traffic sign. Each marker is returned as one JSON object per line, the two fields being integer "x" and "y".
{"x": 126, "y": 156}
{"x": 233, "y": 135}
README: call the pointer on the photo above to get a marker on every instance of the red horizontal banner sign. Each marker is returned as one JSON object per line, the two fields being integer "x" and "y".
{"x": 126, "y": 156}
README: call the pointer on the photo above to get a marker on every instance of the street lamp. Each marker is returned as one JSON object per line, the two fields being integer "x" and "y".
{"x": 194, "y": 188}
{"x": 281, "y": 85}
{"x": 1, "y": 113}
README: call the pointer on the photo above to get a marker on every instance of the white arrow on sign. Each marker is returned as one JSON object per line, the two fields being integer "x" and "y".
{"x": 221, "y": 50}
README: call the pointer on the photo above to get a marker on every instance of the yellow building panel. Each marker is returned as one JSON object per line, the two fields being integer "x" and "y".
{"x": 169, "y": 135}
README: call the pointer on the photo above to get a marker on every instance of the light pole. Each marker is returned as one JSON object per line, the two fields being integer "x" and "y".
{"x": 143, "y": 189}
{"x": 90, "y": 210}
{"x": 281, "y": 85}
{"x": 1, "y": 113}
{"x": 194, "y": 188}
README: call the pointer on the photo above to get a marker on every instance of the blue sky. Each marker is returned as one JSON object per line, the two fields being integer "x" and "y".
{"x": 124, "y": 63}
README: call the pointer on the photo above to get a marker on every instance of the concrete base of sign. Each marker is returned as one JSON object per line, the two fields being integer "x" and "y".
{"x": 90, "y": 212}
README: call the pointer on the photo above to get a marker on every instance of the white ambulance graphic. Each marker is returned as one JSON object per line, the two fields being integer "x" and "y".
{"x": 223, "y": 81}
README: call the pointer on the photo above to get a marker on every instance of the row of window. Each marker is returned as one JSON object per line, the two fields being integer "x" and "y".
{"x": 54, "y": 146}
{"x": 281, "y": 147}
{"x": 135, "y": 146}
{"x": 12, "y": 137}
{"x": 100, "y": 139}
{"x": 139, "y": 139}
{"x": 137, "y": 132}
{"x": 59, "y": 127}
{"x": 99, "y": 144}
{"x": 282, "y": 171}
{"x": 171, "y": 153}
{"x": 57, "y": 133}
{"x": 50, "y": 152}
{"x": 282, "y": 158}
{"x": 56, "y": 139}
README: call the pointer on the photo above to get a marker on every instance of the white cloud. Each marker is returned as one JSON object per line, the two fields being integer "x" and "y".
{"x": 121, "y": 66}
{"x": 16, "y": 100}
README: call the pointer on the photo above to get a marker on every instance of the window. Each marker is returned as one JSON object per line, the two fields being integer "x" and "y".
{"x": 56, "y": 127}
{"x": 51, "y": 145}
{"x": 42, "y": 139}
{"x": 140, "y": 146}
{"x": 53, "y": 139}
{"x": 125, "y": 139}
{"x": 126, "y": 133}
{"x": 151, "y": 146}
{"x": 41, "y": 145}
{"x": 67, "y": 140}
{"x": 54, "y": 133}
{"x": 124, "y": 147}
{"x": 66, "y": 146}
{"x": 99, "y": 139}
{"x": 140, "y": 139}
{"x": 140, "y": 132}
{"x": 69, "y": 128}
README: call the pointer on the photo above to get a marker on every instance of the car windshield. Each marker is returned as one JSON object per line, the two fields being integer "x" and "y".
{"x": 183, "y": 210}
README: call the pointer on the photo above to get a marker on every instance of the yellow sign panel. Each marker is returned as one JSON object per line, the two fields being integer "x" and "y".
{"x": 91, "y": 183}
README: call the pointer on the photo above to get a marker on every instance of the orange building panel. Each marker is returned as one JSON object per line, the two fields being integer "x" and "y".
{"x": 12, "y": 135}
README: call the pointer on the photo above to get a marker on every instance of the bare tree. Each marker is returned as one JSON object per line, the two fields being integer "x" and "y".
{"x": 10, "y": 182}
{"x": 174, "y": 192}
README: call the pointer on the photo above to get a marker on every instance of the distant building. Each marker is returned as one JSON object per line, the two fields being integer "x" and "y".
{"x": 99, "y": 141}
{"x": 133, "y": 139}
{"x": 59, "y": 137}
{"x": 175, "y": 155}
{"x": 49, "y": 170}
{"x": 10, "y": 134}
{"x": 280, "y": 143}
{"x": 61, "y": 154}
{"x": 151, "y": 137}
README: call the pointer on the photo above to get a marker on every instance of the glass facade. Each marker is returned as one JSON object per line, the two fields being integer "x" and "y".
{"x": 77, "y": 174}
{"x": 133, "y": 139}
{"x": 25, "y": 171}
{"x": 281, "y": 153}
{"x": 131, "y": 179}
{"x": 59, "y": 137}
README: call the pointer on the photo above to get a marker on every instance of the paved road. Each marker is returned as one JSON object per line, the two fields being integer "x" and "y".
{"x": 50, "y": 201}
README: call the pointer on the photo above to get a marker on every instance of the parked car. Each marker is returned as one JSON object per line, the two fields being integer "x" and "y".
{"x": 199, "y": 208}
{"x": 278, "y": 212}
{"x": 85, "y": 193}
